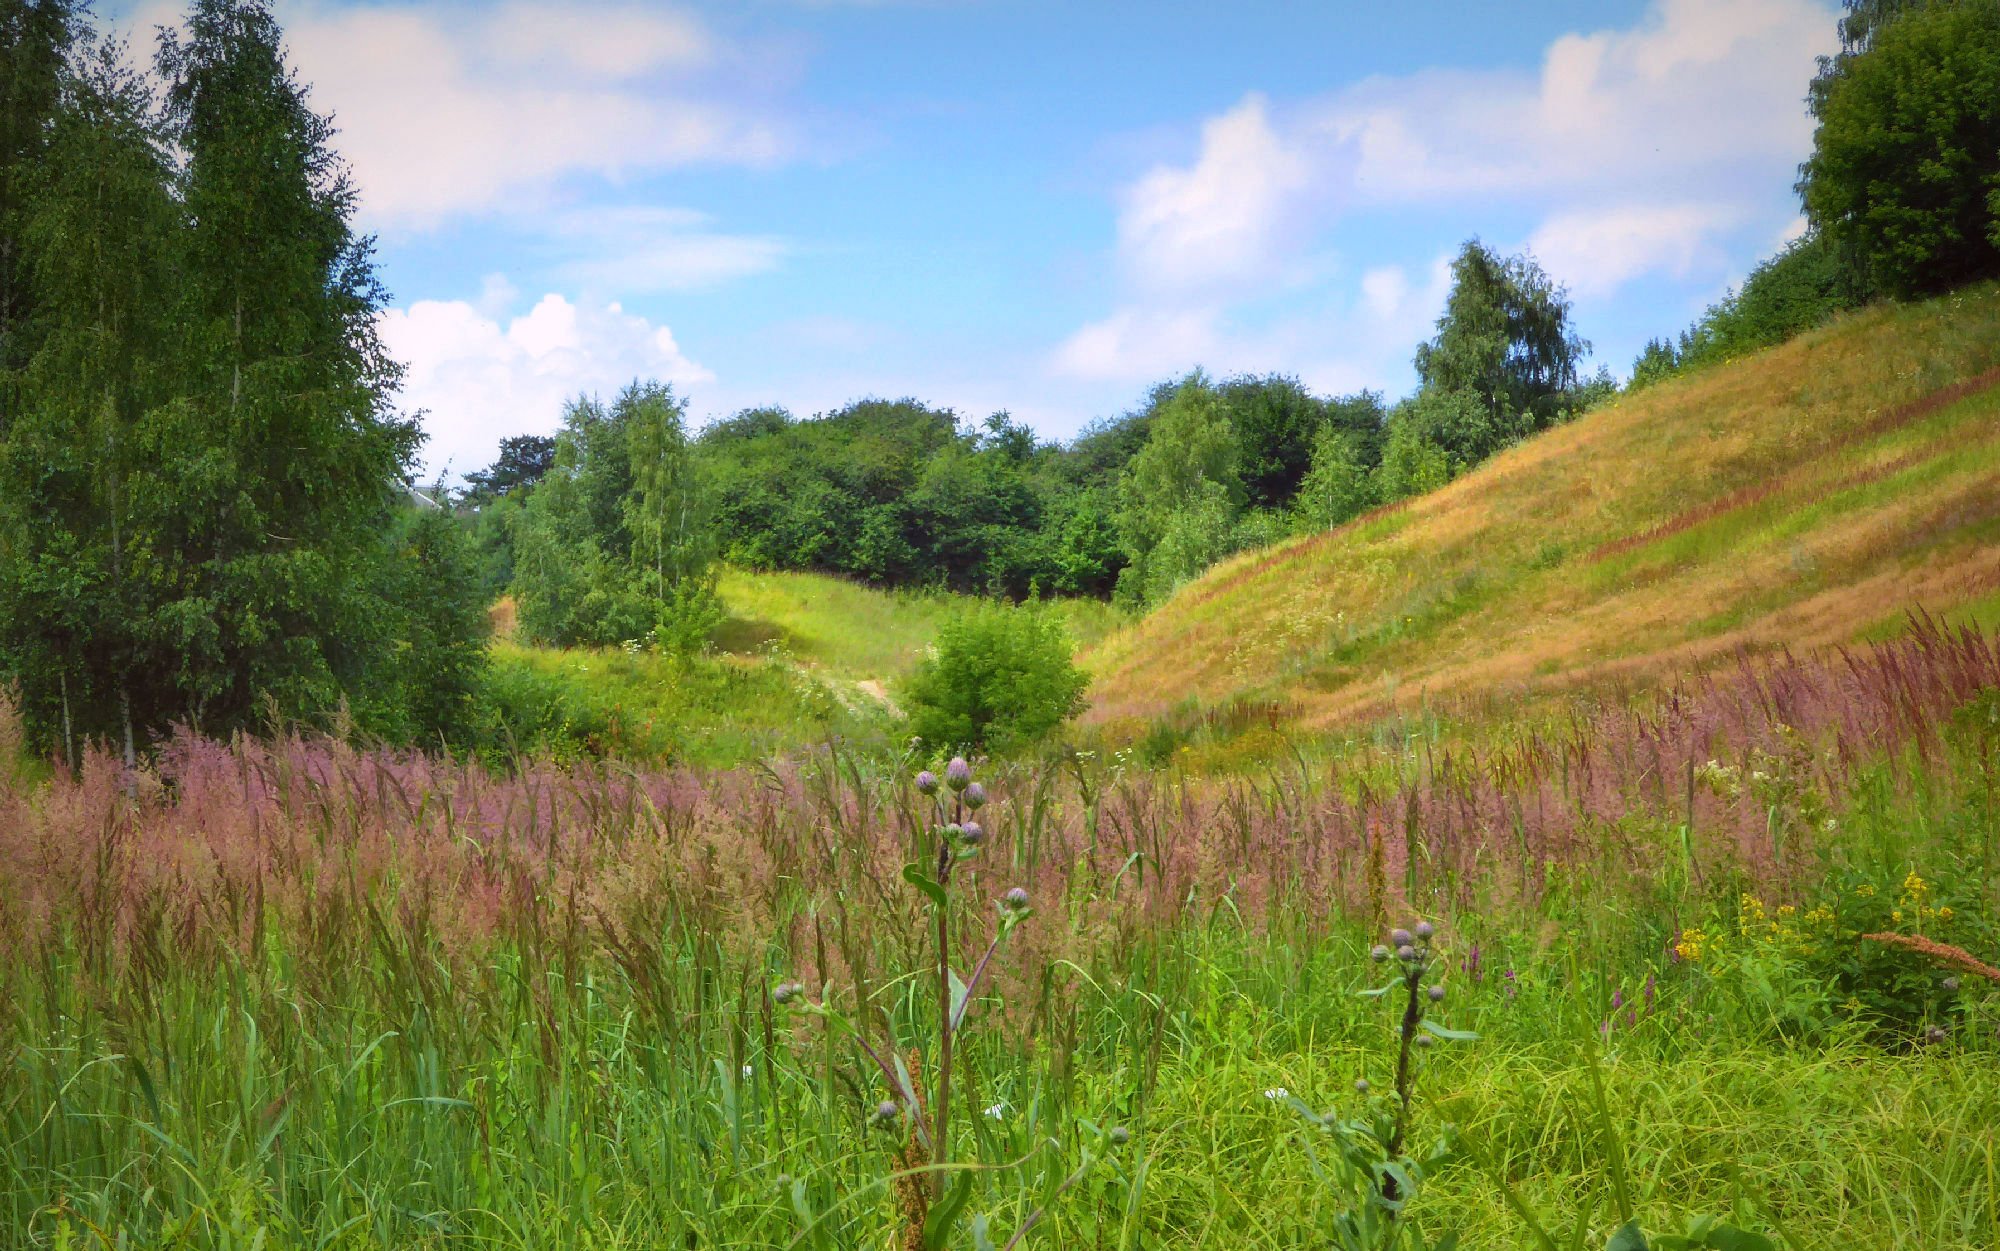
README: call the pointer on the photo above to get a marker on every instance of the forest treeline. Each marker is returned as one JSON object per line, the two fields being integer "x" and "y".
{"x": 206, "y": 510}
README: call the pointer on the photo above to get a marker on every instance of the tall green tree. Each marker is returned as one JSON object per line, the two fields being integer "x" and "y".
{"x": 668, "y": 516}
{"x": 1904, "y": 177}
{"x": 1505, "y": 336}
{"x": 36, "y": 38}
{"x": 96, "y": 246}
{"x": 1181, "y": 495}
{"x": 276, "y": 466}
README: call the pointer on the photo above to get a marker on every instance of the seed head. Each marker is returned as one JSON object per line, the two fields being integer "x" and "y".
{"x": 958, "y": 774}
{"x": 1400, "y": 938}
{"x": 1935, "y": 1034}
{"x": 1380, "y": 953}
{"x": 1950, "y": 983}
{"x": 1015, "y": 900}
{"x": 1407, "y": 954}
{"x": 974, "y": 797}
{"x": 1120, "y": 1135}
{"x": 786, "y": 992}
{"x": 1437, "y": 994}
{"x": 927, "y": 782}
{"x": 886, "y": 1111}
{"x": 1425, "y": 929}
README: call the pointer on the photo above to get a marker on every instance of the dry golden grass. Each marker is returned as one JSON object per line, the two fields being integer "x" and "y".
{"x": 1796, "y": 498}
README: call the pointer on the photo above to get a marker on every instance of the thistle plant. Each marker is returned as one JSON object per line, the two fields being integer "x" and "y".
{"x": 929, "y": 1210}
{"x": 1371, "y": 1145}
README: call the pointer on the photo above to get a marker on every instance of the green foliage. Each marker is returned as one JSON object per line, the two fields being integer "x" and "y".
{"x": 1904, "y": 178}
{"x": 999, "y": 676}
{"x": 427, "y": 680}
{"x": 616, "y": 544}
{"x": 1504, "y": 337}
{"x": 1181, "y": 495}
{"x": 1339, "y": 486}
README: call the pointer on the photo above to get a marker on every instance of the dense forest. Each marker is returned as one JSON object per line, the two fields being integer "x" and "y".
{"x": 206, "y": 510}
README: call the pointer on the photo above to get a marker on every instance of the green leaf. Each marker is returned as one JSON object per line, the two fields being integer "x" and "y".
{"x": 1628, "y": 1238}
{"x": 915, "y": 877}
{"x": 1380, "y": 991}
{"x": 1449, "y": 1035}
{"x": 981, "y": 1239}
{"x": 937, "y": 1226}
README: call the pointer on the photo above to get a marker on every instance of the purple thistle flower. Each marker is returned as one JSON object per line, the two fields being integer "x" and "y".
{"x": 958, "y": 774}
{"x": 975, "y": 796}
{"x": 927, "y": 782}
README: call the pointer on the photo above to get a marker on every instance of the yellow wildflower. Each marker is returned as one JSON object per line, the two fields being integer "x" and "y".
{"x": 1866, "y": 890}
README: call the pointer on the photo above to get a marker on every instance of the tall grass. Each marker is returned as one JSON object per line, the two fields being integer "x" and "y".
{"x": 288, "y": 993}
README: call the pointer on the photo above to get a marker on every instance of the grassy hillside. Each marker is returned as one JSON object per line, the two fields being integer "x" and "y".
{"x": 1808, "y": 495}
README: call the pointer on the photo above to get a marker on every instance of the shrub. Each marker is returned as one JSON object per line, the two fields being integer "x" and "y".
{"x": 998, "y": 676}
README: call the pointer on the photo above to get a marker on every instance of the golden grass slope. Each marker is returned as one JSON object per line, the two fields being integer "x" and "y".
{"x": 1807, "y": 495}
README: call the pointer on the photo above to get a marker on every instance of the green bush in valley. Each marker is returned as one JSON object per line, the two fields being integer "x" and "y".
{"x": 998, "y": 676}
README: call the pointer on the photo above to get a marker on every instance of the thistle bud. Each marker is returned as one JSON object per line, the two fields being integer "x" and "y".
{"x": 786, "y": 992}
{"x": 886, "y": 1111}
{"x": 1437, "y": 994}
{"x": 1380, "y": 953}
{"x": 972, "y": 834}
{"x": 974, "y": 797}
{"x": 1421, "y": 1040}
{"x": 1361, "y": 1086}
{"x": 958, "y": 774}
{"x": 927, "y": 782}
{"x": 1015, "y": 900}
{"x": 1935, "y": 1034}
{"x": 1425, "y": 929}
{"x": 1120, "y": 1135}
{"x": 1400, "y": 938}
{"x": 1407, "y": 954}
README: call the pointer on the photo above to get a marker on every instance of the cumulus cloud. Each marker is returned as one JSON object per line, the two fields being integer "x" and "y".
{"x": 471, "y": 108}
{"x": 1223, "y": 219}
{"x": 1596, "y": 251}
{"x": 1641, "y": 150}
{"x": 481, "y": 376}
{"x": 1703, "y": 88}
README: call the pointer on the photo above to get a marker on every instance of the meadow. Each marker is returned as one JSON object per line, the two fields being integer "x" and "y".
{"x": 295, "y": 993}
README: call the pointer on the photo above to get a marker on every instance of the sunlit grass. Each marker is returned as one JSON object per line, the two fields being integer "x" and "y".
{"x": 1774, "y": 501}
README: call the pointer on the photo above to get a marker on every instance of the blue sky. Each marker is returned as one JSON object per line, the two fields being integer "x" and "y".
{"x": 1037, "y": 207}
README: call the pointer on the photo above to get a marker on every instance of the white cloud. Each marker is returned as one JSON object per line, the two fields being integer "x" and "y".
{"x": 1700, "y": 88}
{"x": 471, "y": 108}
{"x": 1223, "y": 219}
{"x": 1640, "y": 151}
{"x": 1596, "y": 251}
{"x": 481, "y": 379}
